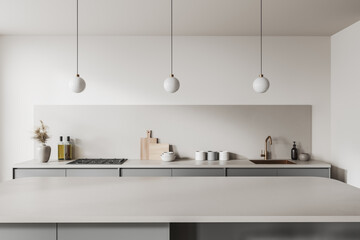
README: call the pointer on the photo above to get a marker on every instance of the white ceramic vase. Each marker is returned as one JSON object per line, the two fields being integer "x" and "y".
{"x": 43, "y": 153}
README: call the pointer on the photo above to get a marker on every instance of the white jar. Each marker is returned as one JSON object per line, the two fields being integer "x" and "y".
{"x": 200, "y": 155}
{"x": 212, "y": 156}
{"x": 224, "y": 155}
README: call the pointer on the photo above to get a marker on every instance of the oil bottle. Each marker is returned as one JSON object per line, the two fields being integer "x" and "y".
{"x": 68, "y": 149}
{"x": 61, "y": 149}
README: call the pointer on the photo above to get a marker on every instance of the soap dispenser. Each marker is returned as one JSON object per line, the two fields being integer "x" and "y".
{"x": 294, "y": 152}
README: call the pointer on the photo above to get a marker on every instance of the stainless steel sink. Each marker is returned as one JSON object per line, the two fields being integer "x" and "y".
{"x": 272, "y": 162}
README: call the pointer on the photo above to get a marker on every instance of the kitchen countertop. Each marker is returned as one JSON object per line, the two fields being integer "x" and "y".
{"x": 135, "y": 163}
{"x": 166, "y": 199}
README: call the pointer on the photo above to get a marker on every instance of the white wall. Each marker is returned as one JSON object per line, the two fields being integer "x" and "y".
{"x": 131, "y": 70}
{"x": 345, "y": 104}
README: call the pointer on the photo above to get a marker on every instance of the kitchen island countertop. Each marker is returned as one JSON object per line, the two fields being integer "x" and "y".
{"x": 166, "y": 199}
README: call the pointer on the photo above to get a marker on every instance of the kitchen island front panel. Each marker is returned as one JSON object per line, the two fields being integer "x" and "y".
{"x": 148, "y": 231}
{"x": 265, "y": 231}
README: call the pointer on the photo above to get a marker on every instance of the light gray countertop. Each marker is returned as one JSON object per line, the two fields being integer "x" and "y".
{"x": 169, "y": 199}
{"x": 135, "y": 163}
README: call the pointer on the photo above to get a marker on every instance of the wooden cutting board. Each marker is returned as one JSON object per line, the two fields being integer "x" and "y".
{"x": 144, "y": 145}
{"x": 156, "y": 149}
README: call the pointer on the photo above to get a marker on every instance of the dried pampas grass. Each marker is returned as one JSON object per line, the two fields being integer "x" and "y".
{"x": 41, "y": 133}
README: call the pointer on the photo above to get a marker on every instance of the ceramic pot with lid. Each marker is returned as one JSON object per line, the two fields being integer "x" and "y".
{"x": 304, "y": 157}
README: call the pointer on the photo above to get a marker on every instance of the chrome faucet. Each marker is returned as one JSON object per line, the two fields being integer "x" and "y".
{"x": 266, "y": 153}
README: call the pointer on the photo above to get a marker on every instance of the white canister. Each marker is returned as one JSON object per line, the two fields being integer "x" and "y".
{"x": 212, "y": 156}
{"x": 200, "y": 155}
{"x": 224, "y": 155}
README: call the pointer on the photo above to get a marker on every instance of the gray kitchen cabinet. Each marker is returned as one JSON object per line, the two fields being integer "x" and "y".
{"x": 93, "y": 172}
{"x": 146, "y": 172}
{"x": 313, "y": 172}
{"x": 198, "y": 172}
{"x": 44, "y": 172}
{"x": 94, "y": 231}
{"x": 251, "y": 172}
{"x": 168, "y": 172}
{"x": 11, "y": 231}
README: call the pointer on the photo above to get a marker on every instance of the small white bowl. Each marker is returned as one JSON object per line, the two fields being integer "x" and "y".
{"x": 168, "y": 154}
{"x": 167, "y": 158}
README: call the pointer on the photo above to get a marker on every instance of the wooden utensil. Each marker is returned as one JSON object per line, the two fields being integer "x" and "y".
{"x": 144, "y": 145}
{"x": 156, "y": 149}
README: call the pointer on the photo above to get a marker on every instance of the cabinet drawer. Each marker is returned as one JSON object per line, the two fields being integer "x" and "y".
{"x": 20, "y": 173}
{"x": 27, "y": 231}
{"x": 251, "y": 172}
{"x": 312, "y": 172}
{"x": 99, "y": 172}
{"x": 195, "y": 172}
{"x": 146, "y": 172}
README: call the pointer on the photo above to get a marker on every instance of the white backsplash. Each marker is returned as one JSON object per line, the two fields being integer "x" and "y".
{"x": 115, "y": 130}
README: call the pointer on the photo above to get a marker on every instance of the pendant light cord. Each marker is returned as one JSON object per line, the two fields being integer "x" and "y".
{"x": 171, "y": 37}
{"x": 77, "y": 37}
{"x": 261, "y": 36}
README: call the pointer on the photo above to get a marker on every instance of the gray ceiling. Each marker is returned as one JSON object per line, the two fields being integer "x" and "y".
{"x": 191, "y": 17}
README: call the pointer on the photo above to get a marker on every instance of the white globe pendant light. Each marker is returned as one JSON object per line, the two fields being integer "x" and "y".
{"x": 261, "y": 84}
{"x": 171, "y": 84}
{"x": 77, "y": 84}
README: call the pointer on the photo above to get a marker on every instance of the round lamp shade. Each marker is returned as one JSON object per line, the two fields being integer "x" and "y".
{"x": 261, "y": 84}
{"x": 171, "y": 84}
{"x": 77, "y": 84}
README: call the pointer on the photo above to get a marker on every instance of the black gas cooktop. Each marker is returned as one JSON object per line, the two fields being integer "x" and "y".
{"x": 98, "y": 161}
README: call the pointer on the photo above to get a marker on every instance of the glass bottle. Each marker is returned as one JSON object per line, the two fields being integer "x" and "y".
{"x": 294, "y": 152}
{"x": 68, "y": 149}
{"x": 61, "y": 149}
